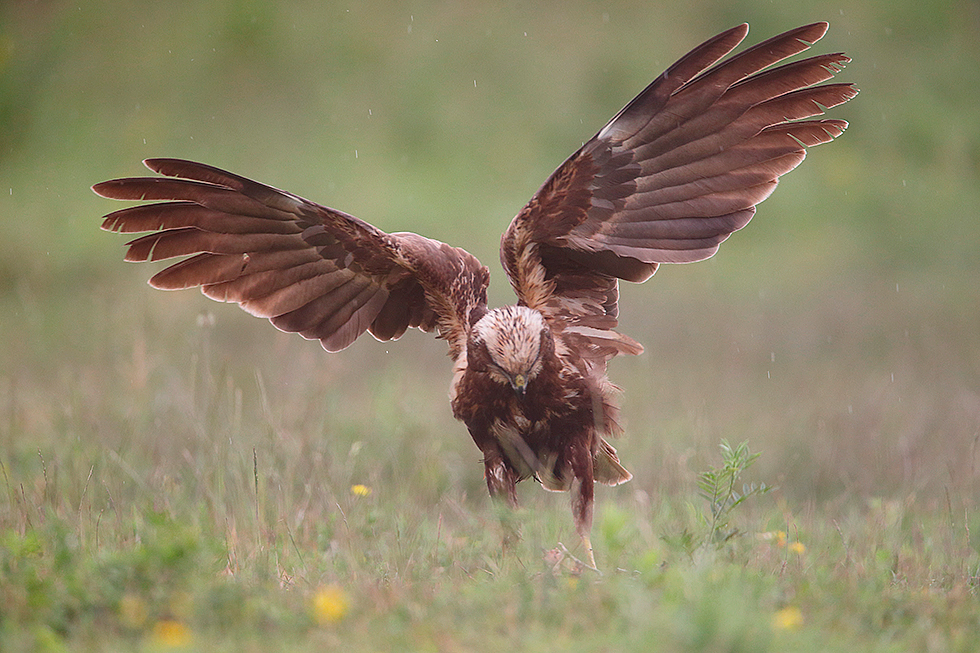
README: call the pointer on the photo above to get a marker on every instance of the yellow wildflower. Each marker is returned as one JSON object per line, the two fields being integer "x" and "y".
{"x": 171, "y": 634}
{"x": 797, "y": 547}
{"x": 329, "y": 604}
{"x": 360, "y": 490}
{"x": 779, "y": 537}
{"x": 789, "y": 618}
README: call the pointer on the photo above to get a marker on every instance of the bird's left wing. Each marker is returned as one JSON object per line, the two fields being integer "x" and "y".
{"x": 670, "y": 177}
{"x": 310, "y": 269}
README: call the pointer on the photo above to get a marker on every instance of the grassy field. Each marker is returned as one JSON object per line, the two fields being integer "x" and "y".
{"x": 175, "y": 474}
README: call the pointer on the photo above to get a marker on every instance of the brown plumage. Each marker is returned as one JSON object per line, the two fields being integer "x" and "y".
{"x": 667, "y": 180}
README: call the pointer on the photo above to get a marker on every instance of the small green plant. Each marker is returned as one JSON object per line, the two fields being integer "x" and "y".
{"x": 717, "y": 487}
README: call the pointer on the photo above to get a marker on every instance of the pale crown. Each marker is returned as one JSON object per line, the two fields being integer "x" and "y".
{"x": 512, "y": 336}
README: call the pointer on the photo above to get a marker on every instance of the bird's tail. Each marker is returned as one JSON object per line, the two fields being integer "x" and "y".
{"x": 606, "y": 466}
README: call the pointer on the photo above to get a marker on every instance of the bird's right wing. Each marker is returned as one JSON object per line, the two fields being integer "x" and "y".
{"x": 310, "y": 269}
{"x": 671, "y": 176}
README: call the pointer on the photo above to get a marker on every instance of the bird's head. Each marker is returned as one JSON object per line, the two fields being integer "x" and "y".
{"x": 511, "y": 345}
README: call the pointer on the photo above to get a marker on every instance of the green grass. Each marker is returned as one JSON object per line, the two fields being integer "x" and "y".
{"x": 175, "y": 474}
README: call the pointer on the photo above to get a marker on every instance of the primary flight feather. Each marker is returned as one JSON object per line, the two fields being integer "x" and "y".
{"x": 669, "y": 178}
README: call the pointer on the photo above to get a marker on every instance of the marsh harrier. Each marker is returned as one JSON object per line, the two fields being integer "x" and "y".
{"x": 669, "y": 178}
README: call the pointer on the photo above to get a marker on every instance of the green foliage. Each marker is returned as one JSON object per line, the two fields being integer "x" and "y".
{"x": 717, "y": 487}
{"x": 175, "y": 475}
{"x": 885, "y": 576}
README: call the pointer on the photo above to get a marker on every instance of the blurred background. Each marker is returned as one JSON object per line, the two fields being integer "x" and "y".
{"x": 839, "y": 332}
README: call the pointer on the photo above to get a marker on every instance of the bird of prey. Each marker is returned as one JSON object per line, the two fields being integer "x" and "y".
{"x": 669, "y": 178}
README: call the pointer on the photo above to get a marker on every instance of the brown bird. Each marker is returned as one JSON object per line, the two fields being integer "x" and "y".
{"x": 669, "y": 178}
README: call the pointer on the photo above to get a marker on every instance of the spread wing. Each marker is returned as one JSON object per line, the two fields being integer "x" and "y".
{"x": 670, "y": 177}
{"x": 310, "y": 269}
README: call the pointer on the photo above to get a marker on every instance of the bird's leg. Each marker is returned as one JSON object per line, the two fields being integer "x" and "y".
{"x": 501, "y": 480}
{"x": 502, "y": 483}
{"x": 583, "y": 497}
{"x": 582, "y": 501}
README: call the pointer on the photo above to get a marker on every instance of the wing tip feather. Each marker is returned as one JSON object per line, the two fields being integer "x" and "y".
{"x": 819, "y": 28}
{"x": 165, "y": 165}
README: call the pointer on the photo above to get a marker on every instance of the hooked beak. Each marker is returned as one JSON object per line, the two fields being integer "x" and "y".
{"x": 519, "y": 384}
